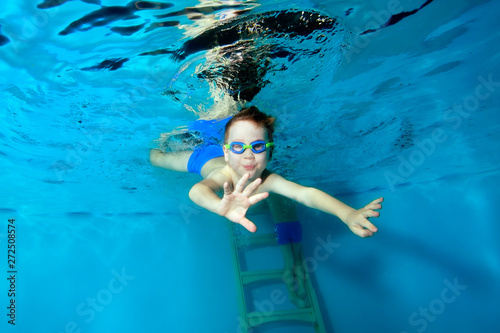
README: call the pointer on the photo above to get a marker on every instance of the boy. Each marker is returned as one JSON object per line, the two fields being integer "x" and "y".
{"x": 239, "y": 170}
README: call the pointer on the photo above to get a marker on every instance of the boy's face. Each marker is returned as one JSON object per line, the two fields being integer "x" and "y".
{"x": 248, "y": 162}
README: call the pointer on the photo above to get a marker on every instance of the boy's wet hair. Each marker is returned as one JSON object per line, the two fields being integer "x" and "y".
{"x": 255, "y": 115}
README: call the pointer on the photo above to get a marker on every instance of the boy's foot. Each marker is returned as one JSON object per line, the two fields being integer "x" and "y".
{"x": 299, "y": 302}
{"x": 293, "y": 285}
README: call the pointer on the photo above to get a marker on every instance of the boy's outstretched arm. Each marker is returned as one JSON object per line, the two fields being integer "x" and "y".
{"x": 204, "y": 194}
{"x": 358, "y": 222}
{"x": 233, "y": 205}
{"x": 356, "y": 219}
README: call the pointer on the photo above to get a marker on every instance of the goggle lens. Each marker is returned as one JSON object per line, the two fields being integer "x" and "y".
{"x": 257, "y": 147}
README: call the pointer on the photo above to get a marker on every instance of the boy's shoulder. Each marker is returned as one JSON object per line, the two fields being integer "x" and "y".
{"x": 218, "y": 173}
{"x": 270, "y": 180}
{"x": 214, "y": 166}
{"x": 273, "y": 182}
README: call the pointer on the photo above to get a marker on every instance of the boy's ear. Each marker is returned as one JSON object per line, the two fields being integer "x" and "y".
{"x": 226, "y": 153}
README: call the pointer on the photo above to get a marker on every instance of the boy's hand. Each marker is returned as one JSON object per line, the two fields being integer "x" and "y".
{"x": 358, "y": 222}
{"x": 234, "y": 205}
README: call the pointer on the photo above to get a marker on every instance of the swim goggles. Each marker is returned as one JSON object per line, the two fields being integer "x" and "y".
{"x": 256, "y": 146}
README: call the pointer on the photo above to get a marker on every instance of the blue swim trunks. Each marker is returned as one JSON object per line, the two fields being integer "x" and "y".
{"x": 288, "y": 232}
{"x": 212, "y": 132}
{"x": 201, "y": 156}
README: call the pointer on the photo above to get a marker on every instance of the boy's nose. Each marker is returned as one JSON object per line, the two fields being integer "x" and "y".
{"x": 248, "y": 153}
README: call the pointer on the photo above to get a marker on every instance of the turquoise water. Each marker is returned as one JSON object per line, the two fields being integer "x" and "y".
{"x": 105, "y": 242}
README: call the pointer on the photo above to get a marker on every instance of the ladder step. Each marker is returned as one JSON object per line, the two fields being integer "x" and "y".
{"x": 258, "y": 240}
{"x": 259, "y": 318}
{"x": 310, "y": 315}
{"x": 257, "y": 276}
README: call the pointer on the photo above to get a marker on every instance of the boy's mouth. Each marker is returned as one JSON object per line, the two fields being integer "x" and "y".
{"x": 249, "y": 167}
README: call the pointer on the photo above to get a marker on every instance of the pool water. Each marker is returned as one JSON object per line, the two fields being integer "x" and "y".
{"x": 398, "y": 99}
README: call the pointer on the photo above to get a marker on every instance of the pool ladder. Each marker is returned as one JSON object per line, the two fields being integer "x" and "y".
{"x": 245, "y": 279}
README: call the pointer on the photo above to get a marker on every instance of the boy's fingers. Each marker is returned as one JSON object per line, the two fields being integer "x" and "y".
{"x": 371, "y": 213}
{"x": 243, "y": 180}
{"x": 251, "y": 187}
{"x": 258, "y": 197}
{"x": 365, "y": 233}
{"x": 373, "y": 206}
{"x": 361, "y": 232}
{"x": 248, "y": 224}
{"x": 227, "y": 191}
{"x": 368, "y": 226}
{"x": 376, "y": 202}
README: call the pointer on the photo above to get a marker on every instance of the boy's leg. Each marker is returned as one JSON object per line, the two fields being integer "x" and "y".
{"x": 283, "y": 210}
{"x": 292, "y": 282}
{"x": 298, "y": 270}
{"x": 177, "y": 161}
{"x": 289, "y": 260}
